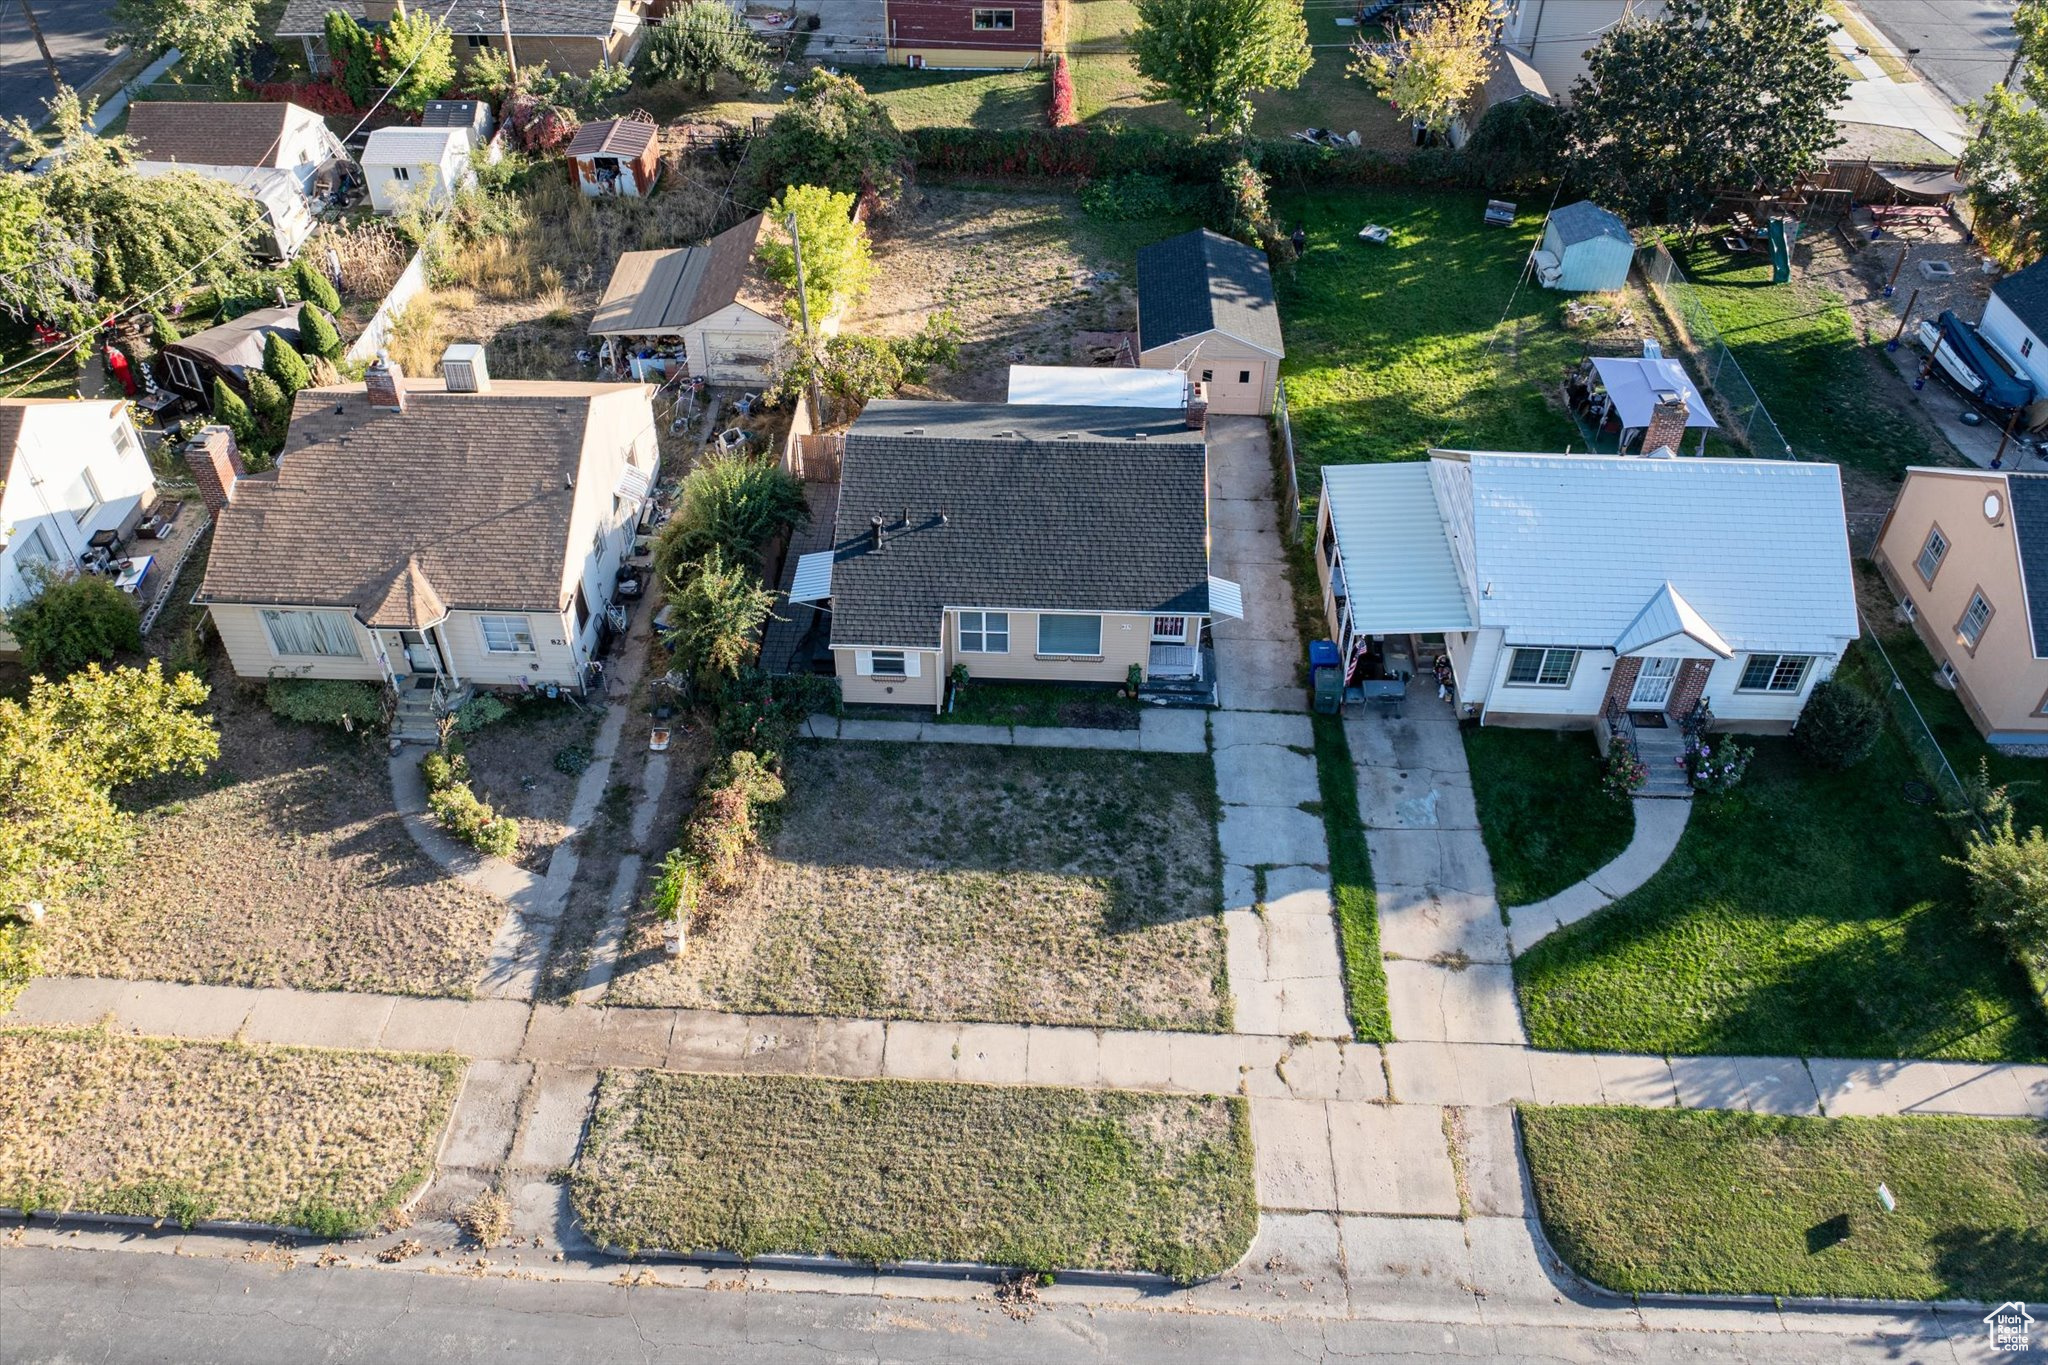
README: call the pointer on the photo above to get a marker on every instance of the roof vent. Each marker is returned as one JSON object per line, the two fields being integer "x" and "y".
{"x": 913, "y": 431}
{"x": 875, "y": 530}
{"x": 1141, "y": 436}
{"x": 1011, "y": 431}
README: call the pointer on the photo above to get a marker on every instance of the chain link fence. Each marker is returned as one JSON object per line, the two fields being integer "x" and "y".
{"x": 1736, "y": 400}
{"x": 1284, "y": 426}
{"x": 1912, "y": 727}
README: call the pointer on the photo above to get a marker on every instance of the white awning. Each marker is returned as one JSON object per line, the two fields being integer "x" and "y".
{"x": 1226, "y": 599}
{"x": 813, "y": 581}
{"x": 633, "y": 483}
{"x": 1398, "y": 565}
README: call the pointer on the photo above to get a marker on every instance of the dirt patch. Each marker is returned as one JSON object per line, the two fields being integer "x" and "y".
{"x": 512, "y": 766}
{"x": 285, "y": 865}
{"x": 955, "y": 882}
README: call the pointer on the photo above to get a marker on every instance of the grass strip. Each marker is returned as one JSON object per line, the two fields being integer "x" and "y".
{"x": 325, "y": 1140}
{"x": 883, "y": 1171}
{"x": 1546, "y": 822}
{"x": 1358, "y": 917}
{"x": 1715, "y": 1201}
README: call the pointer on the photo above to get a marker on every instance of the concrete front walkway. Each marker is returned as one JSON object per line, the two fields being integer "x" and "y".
{"x": 1659, "y": 825}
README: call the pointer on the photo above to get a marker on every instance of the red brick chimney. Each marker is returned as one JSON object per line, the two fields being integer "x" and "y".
{"x": 384, "y": 382}
{"x": 216, "y": 465}
{"x": 1667, "y": 423}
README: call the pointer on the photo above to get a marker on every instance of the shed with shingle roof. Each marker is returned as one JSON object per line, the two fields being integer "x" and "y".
{"x": 714, "y": 298}
{"x": 1205, "y": 305}
{"x": 615, "y": 156}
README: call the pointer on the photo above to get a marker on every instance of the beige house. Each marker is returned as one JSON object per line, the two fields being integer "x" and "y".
{"x": 1062, "y": 544}
{"x": 1966, "y": 553}
{"x": 433, "y": 535}
{"x": 1205, "y": 306}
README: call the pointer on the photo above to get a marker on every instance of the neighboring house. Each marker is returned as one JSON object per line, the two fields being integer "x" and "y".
{"x": 1060, "y": 544}
{"x": 949, "y": 33}
{"x": 1205, "y": 305}
{"x": 402, "y": 164}
{"x": 2015, "y": 323}
{"x": 1102, "y": 386}
{"x": 620, "y": 156}
{"x": 473, "y": 117}
{"x": 427, "y": 537}
{"x": 1966, "y": 553}
{"x": 714, "y": 301}
{"x": 231, "y": 351}
{"x": 1553, "y": 36}
{"x": 281, "y": 155}
{"x": 1511, "y": 81}
{"x": 569, "y": 35}
{"x": 1565, "y": 588}
{"x": 69, "y": 469}
{"x": 1584, "y": 248}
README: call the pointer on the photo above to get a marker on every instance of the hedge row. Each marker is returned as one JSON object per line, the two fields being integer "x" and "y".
{"x": 1081, "y": 153}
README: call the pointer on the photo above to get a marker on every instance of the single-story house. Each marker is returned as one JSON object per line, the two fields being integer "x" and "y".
{"x": 70, "y": 469}
{"x": 1568, "y": 588}
{"x": 400, "y": 164}
{"x": 1966, "y": 553}
{"x": 2016, "y": 323}
{"x": 615, "y": 156}
{"x": 426, "y": 536}
{"x": 1101, "y": 386}
{"x": 947, "y": 35}
{"x": 1205, "y": 305}
{"x": 1554, "y": 36}
{"x": 283, "y": 156}
{"x": 713, "y": 301}
{"x": 1584, "y": 248}
{"x": 230, "y": 351}
{"x": 1511, "y": 81}
{"x": 473, "y": 117}
{"x": 1064, "y": 544}
{"x": 576, "y": 36}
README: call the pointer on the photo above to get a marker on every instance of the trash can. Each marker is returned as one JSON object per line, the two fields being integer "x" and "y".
{"x": 1326, "y": 677}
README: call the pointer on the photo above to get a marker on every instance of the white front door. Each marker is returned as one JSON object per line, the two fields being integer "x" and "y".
{"x": 1653, "y": 685}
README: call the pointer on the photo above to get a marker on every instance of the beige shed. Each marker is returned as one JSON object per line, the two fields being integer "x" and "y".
{"x": 1205, "y": 305}
{"x": 711, "y": 302}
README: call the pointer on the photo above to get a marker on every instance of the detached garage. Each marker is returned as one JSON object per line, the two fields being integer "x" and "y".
{"x": 1205, "y": 305}
{"x": 708, "y": 309}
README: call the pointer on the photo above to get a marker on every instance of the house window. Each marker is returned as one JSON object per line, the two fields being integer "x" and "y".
{"x": 312, "y": 632}
{"x": 1970, "y": 629}
{"x": 984, "y": 632}
{"x": 1931, "y": 554}
{"x": 126, "y": 445}
{"x": 1774, "y": 672}
{"x": 996, "y": 20}
{"x": 84, "y": 497}
{"x": 1947, "y": 674}
{"x": 2027, "y": 346}
{"x": 1542, "y": 667}
{"x": 582, "y": 609}
{"x": 479, "y": 39}
{"x": 887, "y": 663}
{"x": 1070, "y": 636}
{"x": 401, "y": 172}
{"x": 34, "y": 548}
{"x": 1208, "y": 376}
{"x": 1170, "y": 629}
{"x": 1908, "y": 610}
{"x": 506, "y": 634}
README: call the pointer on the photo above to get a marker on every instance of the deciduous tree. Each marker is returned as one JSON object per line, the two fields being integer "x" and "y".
{"x": 718, "y": 612}
{"x": 1211, "y": 56}
{"x": 694, "y": 45}
{"x": 213, "y": 36}
{"x": 1436, "y": 62}
{"x": 838, "y": 266}
{"x": 2006, "y": 165}
{"x": 832, "y": 133}
{"x": 71, "y": 620}
{"x": 417, "y": 59}
{"x": 45, "y": 272}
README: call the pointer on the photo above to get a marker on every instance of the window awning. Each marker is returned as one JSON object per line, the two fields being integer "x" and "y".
{"x": 813, "y": 582}
{"x": 1226, "y": 599}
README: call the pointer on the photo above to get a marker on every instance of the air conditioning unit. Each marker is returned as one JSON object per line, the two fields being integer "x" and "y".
{"x": 463, "y": 368}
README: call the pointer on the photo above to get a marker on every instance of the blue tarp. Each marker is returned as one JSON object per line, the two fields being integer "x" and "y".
{"x": 1997, "y": 386}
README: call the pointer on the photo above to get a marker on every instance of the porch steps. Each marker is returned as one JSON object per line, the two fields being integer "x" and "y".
{"x": 416, "y": 721}
{"x": 1663, "y": 753}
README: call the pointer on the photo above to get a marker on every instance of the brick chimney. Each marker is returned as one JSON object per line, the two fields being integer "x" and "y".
{"x": 1667, "y": 423}
{"x": 384, "y": 382}
{"x": 1198, "y": 406}
{"x": 216, "y": 466}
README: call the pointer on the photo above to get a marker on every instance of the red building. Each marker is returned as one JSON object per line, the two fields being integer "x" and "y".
{"x": 966, "y": 33}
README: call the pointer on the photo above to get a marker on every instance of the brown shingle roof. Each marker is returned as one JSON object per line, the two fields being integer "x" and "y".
{"x": 201, "y": 134}
{"x": 462, "y": 501}
{"x": 620, "y": 137}
{"x": 653, "y": 292}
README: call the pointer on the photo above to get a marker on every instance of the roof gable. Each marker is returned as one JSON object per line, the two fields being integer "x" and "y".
{"x": 1202, "y": 282}
{"x": 1668, "y": 616}
{"x": 1585, "y": 220}
{"x": 666, "y": 291}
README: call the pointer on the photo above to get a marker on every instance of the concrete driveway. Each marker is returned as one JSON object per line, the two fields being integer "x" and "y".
{"x": 76, "y": 31}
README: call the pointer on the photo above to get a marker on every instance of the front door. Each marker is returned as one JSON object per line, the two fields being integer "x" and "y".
{"x": 420, "y": 654}
{"x": 1653, "y": 685}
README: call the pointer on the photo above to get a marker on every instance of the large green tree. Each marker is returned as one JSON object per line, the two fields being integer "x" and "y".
{"x": 2006, "y": 164}
{"x": 45, "y": 272}
{"x": 718, "y": 611}
{"x": 1211, "y": 56}
{"x": 1440, "y": 57}
{"x": 417, "y": 59}
{"x": 831, "y": 133}
{"x": 1712, "y": 95}
{"x": 838, "y": 266}
{"x": 213, "y": 36}
{"x": 695, "y": 44}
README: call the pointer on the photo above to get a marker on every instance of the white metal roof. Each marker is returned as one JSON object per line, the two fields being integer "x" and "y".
{"x": 1571, "y": 549}
{"x": 1632, "y": 381}
{"x": 1667, "y": 616}
{"x": 1087, "y": 386}
{"x": 1398, "y": 567}
{"x": 1226, "y": 599}
{"x": 813, "y": 581}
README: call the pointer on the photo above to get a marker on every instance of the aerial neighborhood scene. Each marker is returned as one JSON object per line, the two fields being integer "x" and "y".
{"x": 989, "y": 680}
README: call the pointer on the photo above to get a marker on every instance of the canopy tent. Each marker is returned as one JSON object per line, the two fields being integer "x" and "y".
{"x": 1632, "y": 384}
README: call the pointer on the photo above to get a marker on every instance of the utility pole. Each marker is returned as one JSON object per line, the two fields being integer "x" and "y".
{"x": 505, "y": 21}
{"x": 803, "y": 304}
{"x": 49, "y": 62}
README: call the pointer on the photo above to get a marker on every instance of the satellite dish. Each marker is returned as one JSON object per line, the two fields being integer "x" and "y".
{"x": 1993, "y": 505}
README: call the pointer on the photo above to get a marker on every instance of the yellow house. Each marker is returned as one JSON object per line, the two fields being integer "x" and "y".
{"x": 568, "y": 35}
{"x": 1966, "y": 553}
{"x": 1063, "y": 544}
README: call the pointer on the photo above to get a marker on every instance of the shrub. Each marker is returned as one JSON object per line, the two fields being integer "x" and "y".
{"x": 2008, "y": 875}
{"x": 718, "y": 611}
{"x": 933, "y": 346}
{"x": 1518, "y": 146}
{"x": 319, "y": 701}
{"x": 443, "y": 769}
{"x": 1125, "y": 198}
{"x": 315, "y": 288}
{"x": 761, "y": 711}
{"x": 284, "y": 364}
{"x": 831, "y": 133}
{"x": 678, "y": 887}
{"x": 162, "y": 331}
{"x": 1715, "y": 764}
{"x": 231, "y": 412}
{"x": 480, "y": 711}
{"x": 1061, "y": 113}
{"x": 1840, "y": 724}
{"x": 748, "y": 774}
{"x": 1622, "y": 772}
{"x": 470, "y": 819}
{"x": 1241, "y": 205}
{"x": 317, "y": 335}
{"x": 572, "y": 759}
{"x": 732, "y": 503}
{"x": 71, "y": 620}
{"x": 273, "y": 409}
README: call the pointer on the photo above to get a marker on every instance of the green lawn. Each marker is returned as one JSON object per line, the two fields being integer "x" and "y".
{"x": 1547, "y": 823}
{"x": 1039, "y": 704}
{"x": 30, "y": 371}
{"x": 960, "y": 99}
{"x": 1664, "y": 1200}
{"x": 1358, "y": 914}
{"x": 1809, "y": 914}
{"x": 1040, "y": 1178}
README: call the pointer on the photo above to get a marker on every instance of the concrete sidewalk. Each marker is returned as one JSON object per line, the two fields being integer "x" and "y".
{"x": 1659, "y": 826}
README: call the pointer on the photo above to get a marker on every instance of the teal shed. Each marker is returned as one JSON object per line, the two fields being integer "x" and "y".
{"x": 1584, "y": 248}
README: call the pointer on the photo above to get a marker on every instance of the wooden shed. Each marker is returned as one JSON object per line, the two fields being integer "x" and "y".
{"x": 615, "y": 156}
{"x": 710, "y": 303}
{"x": 1584, "y": 248}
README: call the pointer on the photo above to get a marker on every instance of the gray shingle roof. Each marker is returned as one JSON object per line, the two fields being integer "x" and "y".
{"x": 2029, "y": 494}
{"x": 2026, "y": 293}
{"x": 626, "y": 137}
{"x": 1202, "y": 282}
{"x": 1095, "y": 520}
{"x": 1585, "y": 220}
{"x": 534, "y": 18}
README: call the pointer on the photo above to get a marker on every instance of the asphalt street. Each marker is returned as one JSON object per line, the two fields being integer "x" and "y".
{"x": 76, "y": 31}
{"x": 99, "y": 1306}
{"x": 1965, "y": 45}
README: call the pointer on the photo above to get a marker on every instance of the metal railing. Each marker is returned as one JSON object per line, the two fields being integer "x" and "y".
{"x": 1750, "y": 422}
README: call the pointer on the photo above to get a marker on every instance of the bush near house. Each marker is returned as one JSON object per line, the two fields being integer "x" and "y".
{"x": 71, "y": 620}
{"x": 1839, "y": 725}
{"x": 320, "y": 701}
{"x": 461, "y": 812}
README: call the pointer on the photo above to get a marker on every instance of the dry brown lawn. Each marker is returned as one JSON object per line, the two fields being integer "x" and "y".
{"x": 330, "y": 1141}
{"x": 959, "y": 882}
{"x": 512, "y": 766}
{"x": 284, "y": 866}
